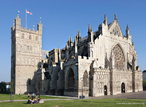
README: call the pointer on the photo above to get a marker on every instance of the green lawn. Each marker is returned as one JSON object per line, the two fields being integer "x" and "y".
{"x": 110, "y": 102}
{"x": 24, "y": 97}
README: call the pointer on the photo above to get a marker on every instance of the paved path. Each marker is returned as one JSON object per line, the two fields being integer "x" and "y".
{"x": 27, "y": 100}
{"x": 133, "y": 95}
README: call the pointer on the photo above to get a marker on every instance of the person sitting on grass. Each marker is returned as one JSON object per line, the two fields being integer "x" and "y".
{"x": 41, "y": 101}
{"x": 32, "y": 100}
{"x": 33, "y": 95}
{"x": 38, "y": 99}
{"x": 29, "y": 101}
{"x": 28, "y": 95}
{"x": 35, "y": 101}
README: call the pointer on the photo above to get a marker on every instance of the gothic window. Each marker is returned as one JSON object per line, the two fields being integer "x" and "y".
{"x": 71, "y": 79}
{"x": 119, "y": 57}
{"x": 29, "y": 36}
{"x": 116, "y": 31}
{"x": 85, "y": 79}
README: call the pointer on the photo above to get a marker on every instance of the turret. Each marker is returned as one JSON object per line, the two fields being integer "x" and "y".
{"x": 90, "y": 33}
{"x": 17, "y": 22}
{"x": 40, "y": 27}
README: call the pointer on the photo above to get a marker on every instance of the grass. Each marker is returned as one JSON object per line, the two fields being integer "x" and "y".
{"x": 110, "y": 102}
{"x": 24, "y": 97}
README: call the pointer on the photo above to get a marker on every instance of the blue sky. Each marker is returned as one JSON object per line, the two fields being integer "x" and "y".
{"x": 62, "y": 18}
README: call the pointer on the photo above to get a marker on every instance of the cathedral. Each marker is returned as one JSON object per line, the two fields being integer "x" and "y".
{"x": 102, "y": 63}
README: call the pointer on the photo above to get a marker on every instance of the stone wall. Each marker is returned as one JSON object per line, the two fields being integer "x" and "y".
{"x": 27, "y": 46}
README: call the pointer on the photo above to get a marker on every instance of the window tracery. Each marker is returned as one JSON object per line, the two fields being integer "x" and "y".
{"x": 119, "y": 57}
{"x": 116, "y": 31}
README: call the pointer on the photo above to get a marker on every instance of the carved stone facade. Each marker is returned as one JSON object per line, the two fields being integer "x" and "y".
{"x": 102, "y": 63}
{"x": 26, "y": 53}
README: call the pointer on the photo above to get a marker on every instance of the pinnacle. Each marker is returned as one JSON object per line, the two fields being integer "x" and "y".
{"x": 115, "y": 16}
{"x": 105, "y": 19}
{"x": 127, "y": 27}
{"x": 79, "y": 35}
{"x": 89, "y": 28}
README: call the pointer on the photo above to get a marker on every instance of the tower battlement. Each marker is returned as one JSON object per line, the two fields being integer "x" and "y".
{"x": 26, "y": 55}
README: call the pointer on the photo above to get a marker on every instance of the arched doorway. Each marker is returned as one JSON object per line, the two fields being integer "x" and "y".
{"x": 105, "y": 90}
{"x": 71, "y": 80}
{"x": 122, "y": 88}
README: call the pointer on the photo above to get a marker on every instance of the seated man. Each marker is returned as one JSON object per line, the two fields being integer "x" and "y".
{"x": 29, "y": 101}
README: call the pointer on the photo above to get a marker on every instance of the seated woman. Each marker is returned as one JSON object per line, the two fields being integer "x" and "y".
{"x": 32, "y": 100}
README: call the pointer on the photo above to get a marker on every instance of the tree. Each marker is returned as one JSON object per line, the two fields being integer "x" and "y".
{"x": 2, "y": 87}
{"x": 144, "y": 84}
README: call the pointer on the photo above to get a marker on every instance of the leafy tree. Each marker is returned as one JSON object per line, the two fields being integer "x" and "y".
{"x": 2, "y": 87}
{"x": 144, "y": 84}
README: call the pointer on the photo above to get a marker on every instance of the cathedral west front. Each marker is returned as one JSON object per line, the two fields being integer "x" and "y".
{"x": 102, "y": 63}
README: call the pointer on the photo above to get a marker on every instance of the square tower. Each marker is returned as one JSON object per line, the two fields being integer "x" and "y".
{"x": 26, "y": 53}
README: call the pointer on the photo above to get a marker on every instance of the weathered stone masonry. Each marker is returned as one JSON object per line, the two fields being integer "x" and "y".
{"x": 102, "y": 63}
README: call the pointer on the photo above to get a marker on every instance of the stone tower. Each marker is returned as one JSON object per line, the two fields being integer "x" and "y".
{"x": 26, "y": 53}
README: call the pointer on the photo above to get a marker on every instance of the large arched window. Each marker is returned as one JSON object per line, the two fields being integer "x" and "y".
{"x": 29, "y": 81}
{"x": 119, "y": 57}
{"x": 85, "y": 79}
{"x": 71, "y": 80}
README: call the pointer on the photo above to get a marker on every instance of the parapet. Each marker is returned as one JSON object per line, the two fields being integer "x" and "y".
{"x": 84, "y": 58}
